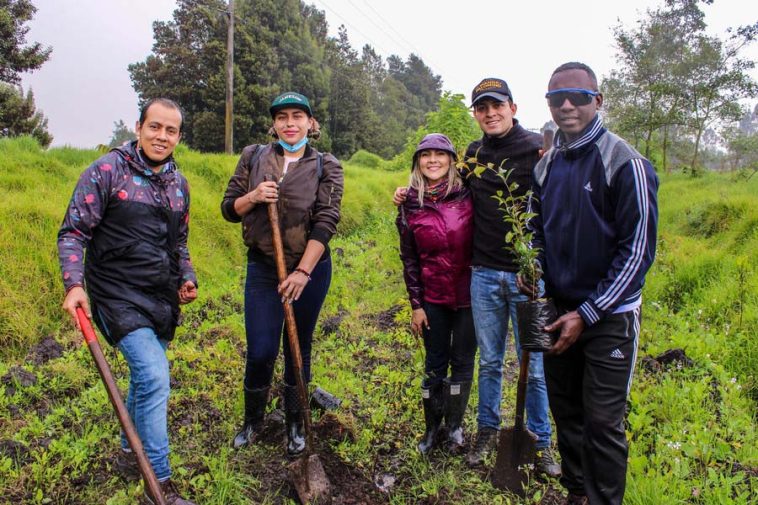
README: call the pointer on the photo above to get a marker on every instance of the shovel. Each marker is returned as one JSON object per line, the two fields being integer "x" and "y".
{"x": 517, "y": 448}
{"x": 307, "y": 472}
{"x": 123, "y": 415}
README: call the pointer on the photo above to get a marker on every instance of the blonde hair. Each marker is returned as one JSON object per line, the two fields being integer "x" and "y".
{"x": 418, "y": 181}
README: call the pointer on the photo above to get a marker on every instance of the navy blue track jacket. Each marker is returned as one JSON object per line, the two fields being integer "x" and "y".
{"x": 597, "y": 214}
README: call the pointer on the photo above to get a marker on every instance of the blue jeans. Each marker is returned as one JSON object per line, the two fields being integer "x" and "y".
{"x": 494, "y": 296}
{"x": 264, "y": 322}
{"x": 147, "y": 399}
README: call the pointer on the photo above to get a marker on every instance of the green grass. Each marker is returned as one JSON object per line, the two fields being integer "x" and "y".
{"x": 691, "y": 428}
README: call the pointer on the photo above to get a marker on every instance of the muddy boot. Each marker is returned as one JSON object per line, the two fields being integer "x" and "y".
{"x": 456, "y": 400}
{"x": 255, "y": 409}
{"x": 486, "y": 441}
{"x": 576, "y": 499}
{"x": 125, "y": 464}
{"x": 433, "y": 400}
{"x": 293, "y": 415}
{"x": 170, "y": 493}
{"x": 546, "y": 464}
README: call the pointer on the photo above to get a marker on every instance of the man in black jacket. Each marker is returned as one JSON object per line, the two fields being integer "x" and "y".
{"x": 494, "y": 294}
{"x": 130, "y": 213}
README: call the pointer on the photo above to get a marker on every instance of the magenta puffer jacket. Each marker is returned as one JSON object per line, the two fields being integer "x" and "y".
{"x": 435, "y": 247}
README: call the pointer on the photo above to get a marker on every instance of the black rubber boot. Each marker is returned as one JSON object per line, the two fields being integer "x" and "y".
{"x": 456, "y": 400}
{"x": 433, "y": 401}
{"x": 255, "y": 409}
{"x": 293, "y": 415}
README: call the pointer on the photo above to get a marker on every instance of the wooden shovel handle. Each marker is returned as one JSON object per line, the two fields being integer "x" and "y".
{"x": 289, "y": 318}
{"x": 118, "y": 404}
{"x": 523, "y": 377}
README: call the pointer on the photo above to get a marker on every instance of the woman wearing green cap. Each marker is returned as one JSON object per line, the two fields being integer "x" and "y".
{"x": 307, "y": 187}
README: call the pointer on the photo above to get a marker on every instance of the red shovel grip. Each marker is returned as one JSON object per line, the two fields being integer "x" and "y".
{"x": 86, "y": 326}
{"x": 145, "y": 468}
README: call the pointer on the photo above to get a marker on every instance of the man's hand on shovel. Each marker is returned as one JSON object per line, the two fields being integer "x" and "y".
{"x": 76, "y": 297}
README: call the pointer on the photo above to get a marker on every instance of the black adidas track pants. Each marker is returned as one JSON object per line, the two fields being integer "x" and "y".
{"x": 587, "y": 388}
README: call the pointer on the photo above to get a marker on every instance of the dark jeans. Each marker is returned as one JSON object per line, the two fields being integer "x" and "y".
{"x": 587, "y": 387}
{"x": 264, "y": 322}
{"x": 450, "y": 342}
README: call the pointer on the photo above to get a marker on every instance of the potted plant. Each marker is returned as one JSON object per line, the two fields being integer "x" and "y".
{"x": 537, "y": 312}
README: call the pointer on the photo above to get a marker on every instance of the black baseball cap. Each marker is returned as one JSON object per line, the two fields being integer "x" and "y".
{"x": 491, "y": 87}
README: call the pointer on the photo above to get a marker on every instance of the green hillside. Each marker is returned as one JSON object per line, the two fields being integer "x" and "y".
{"x": 691, "y": 421}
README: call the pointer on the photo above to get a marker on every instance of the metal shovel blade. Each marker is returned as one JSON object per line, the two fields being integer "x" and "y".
{"x": 517, "y": 447}
{"x": 516, "y": 451}
{"x": 310, "y": 481}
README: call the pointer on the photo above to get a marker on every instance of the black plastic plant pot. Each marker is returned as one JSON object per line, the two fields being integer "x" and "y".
{"x": 533, "y": 316}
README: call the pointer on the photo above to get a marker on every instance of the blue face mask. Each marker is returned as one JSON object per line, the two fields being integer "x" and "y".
{"x": 292, "y": 148}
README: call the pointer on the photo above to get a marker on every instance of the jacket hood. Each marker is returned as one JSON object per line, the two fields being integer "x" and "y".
{"x": 130, "y": 154}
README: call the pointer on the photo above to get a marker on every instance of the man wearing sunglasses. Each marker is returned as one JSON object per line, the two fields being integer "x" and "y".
{"x": 596, "y": 202}
{"x": 508, "y": 146}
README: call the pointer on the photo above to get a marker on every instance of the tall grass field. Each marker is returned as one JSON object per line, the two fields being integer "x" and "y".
{"x": 692, "y": 410}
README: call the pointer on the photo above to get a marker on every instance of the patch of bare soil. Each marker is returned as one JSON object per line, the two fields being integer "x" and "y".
{"x": 197, "y": 410}
{"x": 673, "y": 357}
{"x": 16, "y": 451}
{"x": 47, "y": 349}
{"x": 385, "y": 320}
{"x": 553, "y": 496}
{"x": 17, "y": 376}
{"x": 750, "y": 472}
{"x": 349, "y": 484}
{"x": 331, "y": 324}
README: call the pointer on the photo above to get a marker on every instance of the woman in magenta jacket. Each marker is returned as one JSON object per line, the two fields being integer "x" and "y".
{"x": 436, "y": 228}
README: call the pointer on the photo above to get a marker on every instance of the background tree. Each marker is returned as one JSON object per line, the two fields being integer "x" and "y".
{"x": 15, "y": 57}
{"x": 715, "y": 81}
{"x": 18, "y": 115}
{"x": 121, "y": 134}
{"x": 676, "y": 80}
{"x": 452, "y": 118}
{"x": 281, "y": 45}
{"x": 350, "y": 113}
{"x": 742, "y": 143}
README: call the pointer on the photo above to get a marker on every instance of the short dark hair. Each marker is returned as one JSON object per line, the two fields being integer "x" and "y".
{"x": 575, "y": 65}
{"x": 166, "y": 102}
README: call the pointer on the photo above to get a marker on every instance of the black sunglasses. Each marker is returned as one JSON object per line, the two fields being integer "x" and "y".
{"x": 577, "y": 96}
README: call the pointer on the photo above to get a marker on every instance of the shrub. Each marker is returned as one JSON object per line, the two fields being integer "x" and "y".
{"x": 366, "y": 159}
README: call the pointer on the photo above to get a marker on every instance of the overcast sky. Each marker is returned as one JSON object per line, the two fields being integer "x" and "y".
{"x": 85, "y": 85}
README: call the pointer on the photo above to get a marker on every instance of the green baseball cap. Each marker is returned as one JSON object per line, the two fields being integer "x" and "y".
{"x": 288, "y": 100}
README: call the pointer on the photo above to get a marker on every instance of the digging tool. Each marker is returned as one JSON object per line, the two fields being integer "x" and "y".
{"x": 517, "y": 448}
{"x": 307, "y": 472}
{"x": 118, "y": 404}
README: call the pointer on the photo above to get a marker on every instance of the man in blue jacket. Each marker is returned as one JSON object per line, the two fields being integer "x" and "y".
{"x": 595, "y": 197}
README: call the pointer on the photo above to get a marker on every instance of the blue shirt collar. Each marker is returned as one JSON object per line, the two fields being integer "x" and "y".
{"x": 587, "y": 136}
